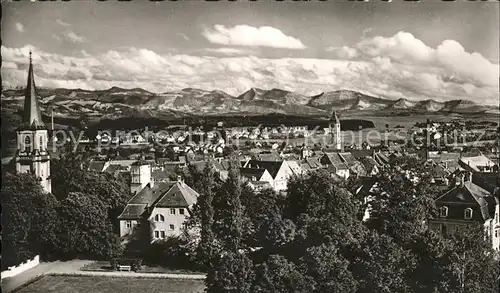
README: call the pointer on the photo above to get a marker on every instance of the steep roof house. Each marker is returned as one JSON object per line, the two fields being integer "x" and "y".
{"x": 158, "y": 211}
{"x": 464, "y": 204}
{"x": 280, "y": 171}
{"x": 335, "y": 164}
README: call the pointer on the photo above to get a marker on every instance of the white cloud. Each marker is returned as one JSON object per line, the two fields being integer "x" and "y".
{"x": 60, "y": 22}
{"x": 343, "y": 52}
{"x": 382, "y": 75}
{"x": 449, "y": 58}
{"x": 73, "y": 37}
{"x": 228, "y": 51}
{"x": 19, "y": 27}
{"x": 183, "y": 36}
{"x": 244, "y": 35}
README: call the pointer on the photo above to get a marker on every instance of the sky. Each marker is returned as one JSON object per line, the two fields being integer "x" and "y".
{"x": 429, "y": 49}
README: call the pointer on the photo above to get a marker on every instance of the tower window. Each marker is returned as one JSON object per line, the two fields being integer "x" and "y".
{"x": 27, "y": 142}
{"x": 41, "y": 142}
{"x": 468, "y": 213}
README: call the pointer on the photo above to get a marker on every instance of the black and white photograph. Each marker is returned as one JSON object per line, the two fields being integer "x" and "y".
{"x": 191, "y": 146}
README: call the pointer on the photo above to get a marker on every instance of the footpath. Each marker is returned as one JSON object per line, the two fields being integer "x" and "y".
{"x": 72, "y": 268}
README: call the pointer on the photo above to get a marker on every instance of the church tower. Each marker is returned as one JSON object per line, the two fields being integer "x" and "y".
{"x": 334, "y": 127}
{"x": 32, "y": 137}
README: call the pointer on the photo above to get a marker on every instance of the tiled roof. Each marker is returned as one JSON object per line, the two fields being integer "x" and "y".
{"x": 271, "y": 166}
{"x": 362, "y": 153}
{"x": 149, "y": 195}
{"x": 476, "y": 162}
{"x": 295, "y": 167}
{"x": 133, "y": 211}
{"x": 336, "y": 161}
{"x": 97, "y": 166}
{"x": 179, "y": 195}
{"x": 252, "y": 172}
{"x": 487, "y": 180}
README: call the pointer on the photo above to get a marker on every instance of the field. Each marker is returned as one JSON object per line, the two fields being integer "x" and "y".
{"x": 87, "y": 284}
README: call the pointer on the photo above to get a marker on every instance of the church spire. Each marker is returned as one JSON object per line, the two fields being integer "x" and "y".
{"x": 334, "y": 117}
{"x": 32, "y": 115}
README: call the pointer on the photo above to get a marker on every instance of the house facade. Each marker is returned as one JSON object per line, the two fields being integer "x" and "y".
{"x": 464, "y": 204}
{"x": 159, "y": 211}
{"x": 279, "y": 171}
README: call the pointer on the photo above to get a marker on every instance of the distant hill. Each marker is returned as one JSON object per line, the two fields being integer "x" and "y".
{"x": 119, "y": 102}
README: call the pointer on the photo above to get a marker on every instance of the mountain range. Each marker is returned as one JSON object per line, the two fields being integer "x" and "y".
{"x": 118, "y": 102}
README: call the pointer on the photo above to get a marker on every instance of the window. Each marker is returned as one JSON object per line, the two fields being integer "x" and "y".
{"x": 27, "y": 142}
{"x": 496, "y": 218}
{"x": 157, "y": 234}
{"x": 172, "y": 211}
{"x": 468, "y": 213}
{"x": 159, "y": 218}
{"x": 443, "y": 212}
{"x": 162, "y": 233}
{"x": 181, "y": 211}
{"x": 496, "y": 233}
{"x": 172, "y": 227}
{"x": 41, "y": 142}
{"x": 128, "y": 224}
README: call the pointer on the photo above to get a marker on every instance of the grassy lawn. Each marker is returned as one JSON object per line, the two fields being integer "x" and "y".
{"x": 91, "y": 284}
{"x": 104, "y": 266}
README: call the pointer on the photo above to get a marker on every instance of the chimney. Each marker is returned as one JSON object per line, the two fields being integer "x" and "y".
{"x": 446, "y": 182}
{"x": 470, "y": 176}
{"x": 180, "y": 180}
{"x": 462, "y": 180}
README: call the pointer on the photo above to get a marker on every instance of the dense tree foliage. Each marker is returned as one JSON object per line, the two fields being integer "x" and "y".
{"x": 28, "y": 218}
{"x": 77, "y": 220}
{"x": 314, "y": 239}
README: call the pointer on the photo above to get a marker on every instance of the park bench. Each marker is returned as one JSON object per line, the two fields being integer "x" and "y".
{"x": 124, "y": 268}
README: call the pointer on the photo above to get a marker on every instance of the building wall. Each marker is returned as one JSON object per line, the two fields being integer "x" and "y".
{"x": 15, "y": 270}
{"x": 39, "y": 164}
{"x": 494, "y": 228}
{"x": 177, "y": 220}
{"x": 127, "y": 227}
{"x": 281, "y": 179}
{"x": 266, "y": 177}
{"x": 140, "y": 177}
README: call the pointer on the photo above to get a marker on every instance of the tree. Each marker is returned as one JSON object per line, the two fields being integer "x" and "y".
{"x": 402, "y": 200}
{"x": 278, "y": 275}
{"x": 231, "y": 272}
{"x": 259, "y": 207}
{"x": 228, "y": 217}
{"x": 28, "y": 218}
{"x": 70, "y": 176}
{"x": 383, "y": 266}
{"x": 329, "y": 269}
{"x": 207, "y": 246}
{"x": 84, "y": 229}
{"x": 471, "y": 261}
